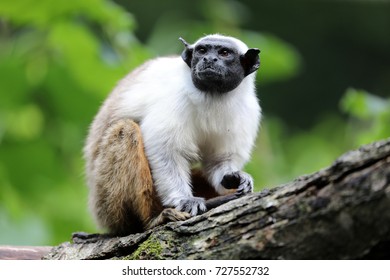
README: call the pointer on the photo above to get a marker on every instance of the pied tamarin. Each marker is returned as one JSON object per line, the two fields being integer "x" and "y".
{"x": 163, "y": 117}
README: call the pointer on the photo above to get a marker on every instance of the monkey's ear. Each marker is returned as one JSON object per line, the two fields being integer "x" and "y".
{"x": 186, "y": 55}
{"x": 250, "y": 61}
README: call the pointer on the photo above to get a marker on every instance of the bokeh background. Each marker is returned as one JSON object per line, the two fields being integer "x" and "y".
{"x": 324, "y": 86}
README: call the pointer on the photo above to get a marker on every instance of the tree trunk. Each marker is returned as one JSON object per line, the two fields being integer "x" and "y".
{"x": 342, "y": 212}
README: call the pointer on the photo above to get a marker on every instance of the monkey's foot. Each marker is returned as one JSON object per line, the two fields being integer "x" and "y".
{"x": 192, "y": 205}
{"x": 168, "y": 215}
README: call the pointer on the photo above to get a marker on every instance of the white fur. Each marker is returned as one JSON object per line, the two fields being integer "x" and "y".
{"x": 241, "y": 46}
{"x": 182, "y": 125}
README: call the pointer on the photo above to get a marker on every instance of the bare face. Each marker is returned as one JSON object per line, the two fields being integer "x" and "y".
{"x": 217, "y": 66}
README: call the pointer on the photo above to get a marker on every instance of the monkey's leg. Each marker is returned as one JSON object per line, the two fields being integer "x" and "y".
{"x": 124, "y": 198}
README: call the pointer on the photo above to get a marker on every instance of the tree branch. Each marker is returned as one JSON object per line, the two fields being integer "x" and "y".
{"x": 342, "y": 212}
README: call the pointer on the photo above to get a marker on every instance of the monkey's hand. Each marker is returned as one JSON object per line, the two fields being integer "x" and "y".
{"x": 239, "y": 180}
{"x": 192, "y": 205}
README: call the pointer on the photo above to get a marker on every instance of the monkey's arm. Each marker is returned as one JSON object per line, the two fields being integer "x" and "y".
{"x": 226, "y": 156}
{"x": 223, "y": 168}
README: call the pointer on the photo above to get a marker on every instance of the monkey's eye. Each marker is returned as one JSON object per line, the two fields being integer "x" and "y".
{"x": 201, "y": 50}
{"x": 224, "y": 52}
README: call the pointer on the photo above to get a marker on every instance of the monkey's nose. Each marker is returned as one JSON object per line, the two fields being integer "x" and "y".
{"x": 210, "y": 59}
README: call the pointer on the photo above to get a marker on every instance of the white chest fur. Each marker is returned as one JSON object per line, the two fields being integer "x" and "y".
{"x": 172, "y": 112}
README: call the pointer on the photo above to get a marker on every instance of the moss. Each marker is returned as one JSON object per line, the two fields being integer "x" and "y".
{"x": 159, "y": 245}
{"x": 150, "y": 249}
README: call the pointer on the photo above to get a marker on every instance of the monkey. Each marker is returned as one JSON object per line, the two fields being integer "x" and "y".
{"x": 162, "y": 119}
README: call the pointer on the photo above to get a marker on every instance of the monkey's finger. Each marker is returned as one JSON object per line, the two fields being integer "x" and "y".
{"x": 179, "y": 216}
{"x": 245, "y": 188}
{"x": 173, "y": 215}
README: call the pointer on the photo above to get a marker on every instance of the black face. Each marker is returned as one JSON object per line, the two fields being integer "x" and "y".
{"x": 217, "y": 67}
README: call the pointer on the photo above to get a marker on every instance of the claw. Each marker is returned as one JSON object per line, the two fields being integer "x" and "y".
{"x": 193, "y": 206}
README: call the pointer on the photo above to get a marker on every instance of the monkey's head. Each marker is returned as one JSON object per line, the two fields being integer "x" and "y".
{"x": 218, "y": 63}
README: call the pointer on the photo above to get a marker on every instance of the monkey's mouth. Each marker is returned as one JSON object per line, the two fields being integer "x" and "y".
{"x": 209, "y": 71}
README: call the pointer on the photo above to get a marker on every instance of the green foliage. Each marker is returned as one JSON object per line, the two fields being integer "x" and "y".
{"x": 279, "y": 60}
{"x": 369, "y": 116}
{"x": 281, "y": 156}
{"x": 57, "y": 63}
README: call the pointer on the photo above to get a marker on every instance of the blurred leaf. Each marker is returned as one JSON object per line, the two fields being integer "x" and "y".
{"x": 10, "y": 197}
{"x": 224, "y": 15}
{"x": 281, "y": 156}
{"x": 279, "y": 60}
{"x": 370, "y": 116}
{"x": 29, "y": 230}
{"x": 58, "y": 61}
{"x": 26, "y": 123}
{"x": 43, "y": 13}
{"x": 13, "y": 83}
{"x": 362, "y": 104}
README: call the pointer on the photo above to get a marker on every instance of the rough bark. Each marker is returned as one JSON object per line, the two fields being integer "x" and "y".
{"x": 341, "y": 212}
